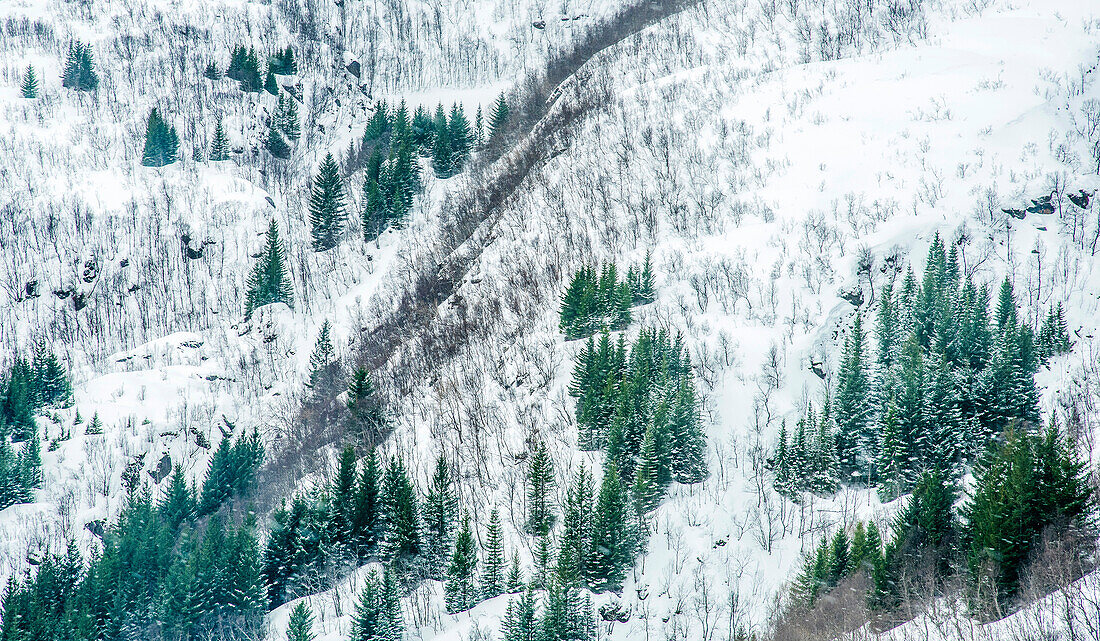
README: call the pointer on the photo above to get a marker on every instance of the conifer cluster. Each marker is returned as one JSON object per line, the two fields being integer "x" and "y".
{"x": 392, "y": 170}
{"x": 28, "y": 386}
{"x": 270, "y": 278}
{"x": 244, "y": 67}
{"x": 79, "y": 70}
{"x": 595, "y": 302}
{"x": 162, "y": 572}
{"x": 948, "y": 376}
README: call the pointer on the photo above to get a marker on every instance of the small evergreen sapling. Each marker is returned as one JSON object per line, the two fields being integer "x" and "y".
{"x": 29, "y": 86}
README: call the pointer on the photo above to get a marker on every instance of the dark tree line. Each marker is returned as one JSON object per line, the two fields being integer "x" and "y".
{"x": 1030, "y": 489}
{"x": 950, "y": 374}
{"x": 178, "y": 567}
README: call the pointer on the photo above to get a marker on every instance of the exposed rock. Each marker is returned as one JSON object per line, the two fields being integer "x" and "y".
{"x": 163, "y": 469}
{"x": 354, "y": 68}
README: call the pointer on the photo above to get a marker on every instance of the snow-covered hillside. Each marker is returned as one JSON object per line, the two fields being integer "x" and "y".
{"x": 753, "y": 151}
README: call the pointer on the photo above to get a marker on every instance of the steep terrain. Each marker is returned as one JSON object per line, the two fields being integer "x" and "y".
{"x": 757, "y": 162}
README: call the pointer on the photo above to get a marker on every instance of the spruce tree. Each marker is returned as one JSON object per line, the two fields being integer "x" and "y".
{"x": 219, "y": 148}
{"x": 342, "y": 521}
{"x": 369, "y": 506}
{"x": 79, "y": 70}
{"x": 326, "y": 206}
{"x": 211, "y": 72}
{"x": 325, "y": 372}
{"x": 161, "y": 142}
{"x": 364, "y": 405}
{"x": 520, "y": 619}
{"x": 29, "y": 87}
{"x": 403, "y": 538}
{"x": 540, "y": 477}
{"x": 851, "y": 404}
{"x": 442, "y": 149}
{"x": 178, "y": 503}
{"x": 613, "y": 535}
{"x": 460, "y": 591}
{"x": 515, "y": 575}
{"x": 271, "y": 85}
{"x": 440, "y": 513}
{"x": 499, "y": 117}
{"x": 687, "y": 441}
{"x": 275, "y": 143}
{"x": 300, "y": 627}
{"x": 270, "y": 278}
{"x": 459, "y": 137}
{"x": 492, "y": 575}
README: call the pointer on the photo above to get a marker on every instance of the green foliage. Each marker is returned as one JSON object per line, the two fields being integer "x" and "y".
{"x": 232, "y": 471}
{"x": 327, "y": 206}
{"x": 29, "y": 86}
{"x": 620, "y": 393}
{"x": 440, "y": 514}
{"x": 403, "y": 541}
{"x": 271, "y": 85}
{"x": 170, "y": 580}
{"x": 244, "y": 67}
{"x": 283, "y": 62}
{"x": 270, "y": 278}
{"x": 325, "y": 373}
{"x": 833, "y": 560}
{"x": 161, "y": 142}
{"x": 807, "y": 460}
{"x": 219, "y": 148}
{"x": 460, "y": 590}
{"x": 1027, "y": 484}
{"x": 594, "y": 302}
{"x": 365, "y": 412}
{"x": 392, "y": 178}
{"x": 498, "y": 118}
{"x": 492, "y": 576}
{"x": 378, "y": 616}
{"x": 614, "y": 537}
{"x": 540, "y": 480}
{"x": 944, "y": 381}
{"x": 521, "y": 618}
{"x": 211, "y": 71}
{"x": 300, "y": 626}
{"x": 29, "y": 386}
{"x": 20, "y": 473}
{"x": 79, "y": 70}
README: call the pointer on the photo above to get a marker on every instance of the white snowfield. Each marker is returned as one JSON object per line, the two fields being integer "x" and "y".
{"x": 752, "y": 162}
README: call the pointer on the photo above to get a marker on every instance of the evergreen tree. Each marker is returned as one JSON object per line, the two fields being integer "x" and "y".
{"x": 492, "y": 576}
{"x": 29, "y": 87}
{"x": 687, "y": 441}
{"x": 211, "y": 72}
{"x": 515, "y": 575}
{"x": 442, "y": 149}
{"x": 326, "y": 206}
{"x": 275, "y": 143}
{"x": 271, "y": 85}
{"x": 300, "y": 627}
{"x": 161, "y": 142}
{"x": 219, "y": 148}
{"x": 270, "y": 278}
{"x": 647, "y": 489}
{"x": 369, "y": 506}
{"x": 499, "y": 117}
{"x": 343, "y": 489}
{"x": 852, "y": 404}
{"x": 440, "y": 512}
{"x": 460, "y": 591}
{"x": 520, "y": 619}
{"x": 478, "y": 133}
{"x": 403, "y": 539}
{"x": 178, "y": 503}
{"x": 459, "y": 138}
{"x": 613, "y": 536}
{"x": 540, "y": 478}
{"x": 364, "y": 405}
{"x": 79, "y": 70}
{"x": 325, "y": 372}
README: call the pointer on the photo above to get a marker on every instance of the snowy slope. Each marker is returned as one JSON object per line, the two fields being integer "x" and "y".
{"x": 752, "y": 164}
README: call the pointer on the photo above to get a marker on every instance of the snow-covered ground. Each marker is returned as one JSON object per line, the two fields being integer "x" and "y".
{"x": 753, "y": 162}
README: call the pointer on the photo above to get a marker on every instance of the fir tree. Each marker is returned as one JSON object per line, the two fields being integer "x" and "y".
{"x": 852, "y": 404}
{"x": 324, "y": 368}
{"x": 211, "y": 72}
{"x": 540, "y": 477}
{"x": 342, "y": 523}
{"x": 364, "y": 405}
{"x": 79, "y": 71}
{"x": 161, "y": 142}
{"x": 300, "y": 627}
{"x": 403, "y": 539}
{"x": 270, "y": 278}
{"x": 271, "y": 85}
{"x": 515, "y": 575}
{"x": 459, "y": 138}
{"x": 520, "y": 619}
{"x": 687, "y": 441}
{"x": 95, "y": 426}
{"x": 460, "y": 590}
{"x": 442, "y": 150}
{"x": 276, "y": 144}
{"x": 492, "y": 575}
{"x": 369, "y": 506}
{"x": 440, "y": 512}
{"x": 219, "y": 148}
{"x": 326, "y": 206}
{"x": 613, "y": 537}
{"x": 29, "y": 86}
{"x": 178, "y": 503}
{"x": 498, "y": 118}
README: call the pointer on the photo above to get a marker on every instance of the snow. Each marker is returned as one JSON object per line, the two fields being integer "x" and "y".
{"x": 751, "y": 174}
